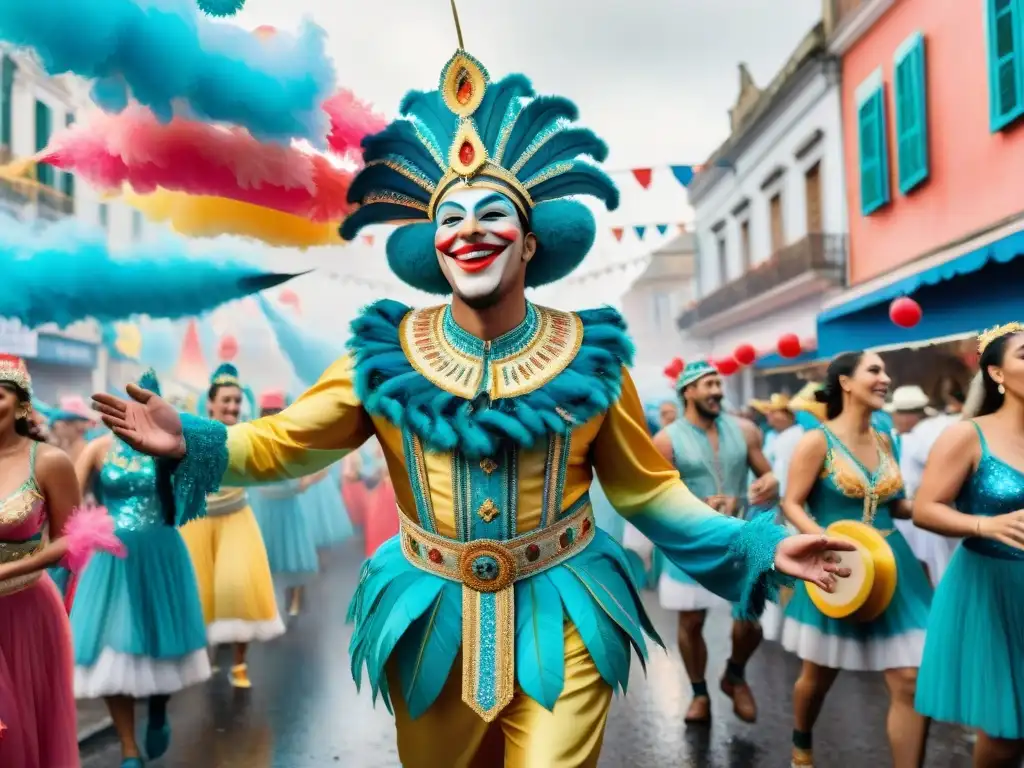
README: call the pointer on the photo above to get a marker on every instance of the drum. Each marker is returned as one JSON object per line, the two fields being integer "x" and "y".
{"x": 867, "y": 592}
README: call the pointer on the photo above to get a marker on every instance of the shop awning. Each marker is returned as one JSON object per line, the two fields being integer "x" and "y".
{"x": 982, "y": 288}
{"x": 774, "y": 360}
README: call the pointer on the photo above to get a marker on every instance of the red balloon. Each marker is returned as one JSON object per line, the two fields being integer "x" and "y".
{"x": 789, "y": 346}
{"x": 745, "y": 354}
{"x": 228, "y": 348}
{"x": 727, "y": 366}
{"x": 905, "y": 312}
{"x": 673, "y": 369}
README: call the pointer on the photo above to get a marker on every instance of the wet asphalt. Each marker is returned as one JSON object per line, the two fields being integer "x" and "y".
{"x": 304, "y": 711}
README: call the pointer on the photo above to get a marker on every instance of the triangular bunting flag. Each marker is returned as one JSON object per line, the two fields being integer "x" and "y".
{"x": 662, "y": 228}
{"x": 684, "y": 173}
{"x": 640, "y": 230}
{"x": 643, "y": 176}
{"x": 368, "y": 239}
{"x": 618, "y": 232}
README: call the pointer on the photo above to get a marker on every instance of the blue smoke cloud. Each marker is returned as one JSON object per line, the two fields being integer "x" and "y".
{"x": 65, "y": 272}
{"x": 309, "y": 356}
{"x": 159, "y": 51}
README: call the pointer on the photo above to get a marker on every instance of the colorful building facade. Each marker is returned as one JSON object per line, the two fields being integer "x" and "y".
{"x": 933, "y": 120}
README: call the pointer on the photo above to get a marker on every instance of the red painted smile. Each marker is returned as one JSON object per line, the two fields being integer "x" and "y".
{"x": 475, "y": 257}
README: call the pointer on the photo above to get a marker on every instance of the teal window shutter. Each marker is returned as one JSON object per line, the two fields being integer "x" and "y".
{"x": 43, "y": 128}
{"x": 68, "y": 179}
{"x": 872, "y": 147}
{"x": 1005, "y": 62}
{"x": 6, "y": 93}
{"x": 911, "y": 113}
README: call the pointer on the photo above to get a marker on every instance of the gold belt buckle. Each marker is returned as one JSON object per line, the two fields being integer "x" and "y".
{"x": 486, "y": 566}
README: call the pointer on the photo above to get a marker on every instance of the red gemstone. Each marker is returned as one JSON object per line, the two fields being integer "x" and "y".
{"x": 586, "y": 525}
{"x": 466, "y": 153}
{"x": 435, "y": 556}
{"x": 532, "y": 552}
{"x": 465, "y": 90}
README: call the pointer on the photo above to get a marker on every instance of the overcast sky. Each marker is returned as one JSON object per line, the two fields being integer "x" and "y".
{"x": 653, "y": 78}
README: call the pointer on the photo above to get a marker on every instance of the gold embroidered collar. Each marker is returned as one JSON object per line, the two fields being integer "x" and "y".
{"x": 520, "y": 361}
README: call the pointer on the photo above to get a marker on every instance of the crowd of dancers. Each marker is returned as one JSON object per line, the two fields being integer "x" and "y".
{"x": 145, "y": 621}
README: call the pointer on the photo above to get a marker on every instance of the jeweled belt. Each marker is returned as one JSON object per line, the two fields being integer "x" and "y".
{"x": 12, "y": 552}
{"x": 226, "y": 501}
{"x": 488, "y": 571}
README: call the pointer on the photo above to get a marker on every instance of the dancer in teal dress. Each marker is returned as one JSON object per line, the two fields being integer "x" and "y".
{"x": 137, "y": 622}
{"x": 845, "y": 470}
{"x": 283, "y": 513}
{"x": 973, "y": 487}
{"x": 714, "y": 454}
{"x": 328, "y": 518}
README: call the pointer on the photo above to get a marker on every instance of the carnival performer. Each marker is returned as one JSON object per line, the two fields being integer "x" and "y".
{"x": 283, "y": 511}
{"x": 714, "y": 453}
{"x": 973, "y": 487}
{"x": 39, "y": 494}
{"x": 136, "y": 622}
{"x": 846, "y": 470}
{"x": 228, "y": 553}
{"x": 918, "y": 427}
{"x": 492, "y": 413}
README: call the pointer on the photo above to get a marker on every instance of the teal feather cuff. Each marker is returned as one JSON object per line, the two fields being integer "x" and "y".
{"x": 200, "y": 472}
{"x": 756, "y": 545}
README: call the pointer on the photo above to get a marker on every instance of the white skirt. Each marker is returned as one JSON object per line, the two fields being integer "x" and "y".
{"x": 225, "y": 631}
{"x": 676, "y": 596}
{"x": 120, "y": 674}
{"x": 932, "y": 549}
{"x": 854, "y": 655}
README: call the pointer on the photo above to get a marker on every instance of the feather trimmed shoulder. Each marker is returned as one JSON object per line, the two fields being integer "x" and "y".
{"x": 566, "y": 373}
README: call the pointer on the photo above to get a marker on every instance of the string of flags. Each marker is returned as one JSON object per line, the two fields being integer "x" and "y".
{"x": 641, "y": 230}
{"x": 684, "y": 174}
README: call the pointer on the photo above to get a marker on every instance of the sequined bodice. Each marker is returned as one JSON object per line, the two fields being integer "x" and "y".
{"x": 128, "y": 488}
{"x": 995, "y": 488}
{"x": 847, "y": 490}
{"x": 23, "y": 512}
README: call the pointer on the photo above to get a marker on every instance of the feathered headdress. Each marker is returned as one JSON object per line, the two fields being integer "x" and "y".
{"x": 225, "y": 375}
{"x": 13, "y": 370}
{"x": 493, "y": 135}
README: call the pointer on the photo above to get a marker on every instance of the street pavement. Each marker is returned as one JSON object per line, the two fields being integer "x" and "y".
{"x": 304, "y": 711}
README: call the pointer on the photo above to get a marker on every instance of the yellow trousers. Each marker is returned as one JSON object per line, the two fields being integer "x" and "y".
{"x": 524, "y": 735}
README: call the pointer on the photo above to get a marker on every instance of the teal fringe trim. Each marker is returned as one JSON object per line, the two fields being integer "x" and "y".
{"x": 414, "y": 619}
{"x": 756, "y": 546}
{"x": 389, "y": 387}
{"x": 200, "y": 472}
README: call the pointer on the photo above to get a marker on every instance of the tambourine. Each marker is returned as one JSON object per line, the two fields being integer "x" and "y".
{"x": 868, "y": 590}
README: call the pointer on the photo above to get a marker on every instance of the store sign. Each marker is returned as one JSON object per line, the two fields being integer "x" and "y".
{"x": 58, "y": 350}
{"x": 16, "y": 339}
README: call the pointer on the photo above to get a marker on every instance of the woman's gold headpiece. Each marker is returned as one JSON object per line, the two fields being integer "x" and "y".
{"x": 987, "y": 337}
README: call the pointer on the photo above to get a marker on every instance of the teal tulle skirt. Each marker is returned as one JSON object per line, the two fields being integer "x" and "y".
{"x": 329, "y": 521}
{"x": 894, "y": 640}
{"x": 137, "y": 622}
{"x": 414, "y": 619}
{"x": 973, "y": 667}
{"x": 284, "y": 523}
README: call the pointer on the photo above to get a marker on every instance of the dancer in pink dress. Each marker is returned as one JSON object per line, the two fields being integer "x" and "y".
{"x": 353, "y": 490}
{"x": 381, "y": 507}
{"x": 39, "y": 492}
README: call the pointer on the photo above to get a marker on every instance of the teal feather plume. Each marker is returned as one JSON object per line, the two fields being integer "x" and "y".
{"x": 150, "y": 382}
{"x": 544, "y": 113}
{"x": 435, "y": 117}
{"x": 581, "y": 178}
{"x": 564, "y": 146}
{"x": 364, "y": 638}
{"x": 540, "y": 646}
{"x": 610, "y": 592}
{"x": 498, "y": 98}
{"x": 607, "y": 644}
{"x": 414, "y": 601}
{"x": 427, "y": 651}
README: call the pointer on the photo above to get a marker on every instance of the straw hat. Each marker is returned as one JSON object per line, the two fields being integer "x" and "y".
{"x": 777, "y": 402}
{"x": 908, "y": 400}
{"x": 805, "y": 401}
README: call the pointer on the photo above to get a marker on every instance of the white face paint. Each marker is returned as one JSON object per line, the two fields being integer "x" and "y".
{"x": 479, "y": 242}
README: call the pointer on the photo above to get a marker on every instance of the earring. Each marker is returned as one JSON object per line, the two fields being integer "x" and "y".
{"x": 1002, "y": 390}
{"x": 21, "y": 414}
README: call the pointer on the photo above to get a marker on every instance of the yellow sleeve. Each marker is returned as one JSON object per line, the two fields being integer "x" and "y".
{"x": 728, "y": 556}
{"x": 317, "y": 430}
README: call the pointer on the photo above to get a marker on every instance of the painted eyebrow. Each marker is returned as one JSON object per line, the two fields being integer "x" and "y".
{"x": 492, "y": 198}
{"x": 450, "y": 204}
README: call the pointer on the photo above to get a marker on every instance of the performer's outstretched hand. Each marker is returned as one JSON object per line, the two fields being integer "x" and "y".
{"x": 810, "y": 557}
{"x": 147, "y": 422}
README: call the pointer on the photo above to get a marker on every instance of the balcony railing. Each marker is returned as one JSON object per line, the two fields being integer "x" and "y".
{"x": 823, "y": 255}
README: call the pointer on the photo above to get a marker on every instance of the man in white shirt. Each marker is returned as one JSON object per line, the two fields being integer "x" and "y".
{"x": 918, "y": 427}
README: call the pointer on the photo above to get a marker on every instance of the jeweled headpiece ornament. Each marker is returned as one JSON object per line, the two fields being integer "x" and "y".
{"x": 13, "y": 369}
{"x": 225, "y": 375}
{"x": 472, "y": 132}
{"x": 987, "y": 337}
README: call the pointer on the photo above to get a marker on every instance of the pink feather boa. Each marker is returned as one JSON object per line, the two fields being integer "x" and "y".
{"x": 89, "y": 530}
{"x": 134, "y": 148}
